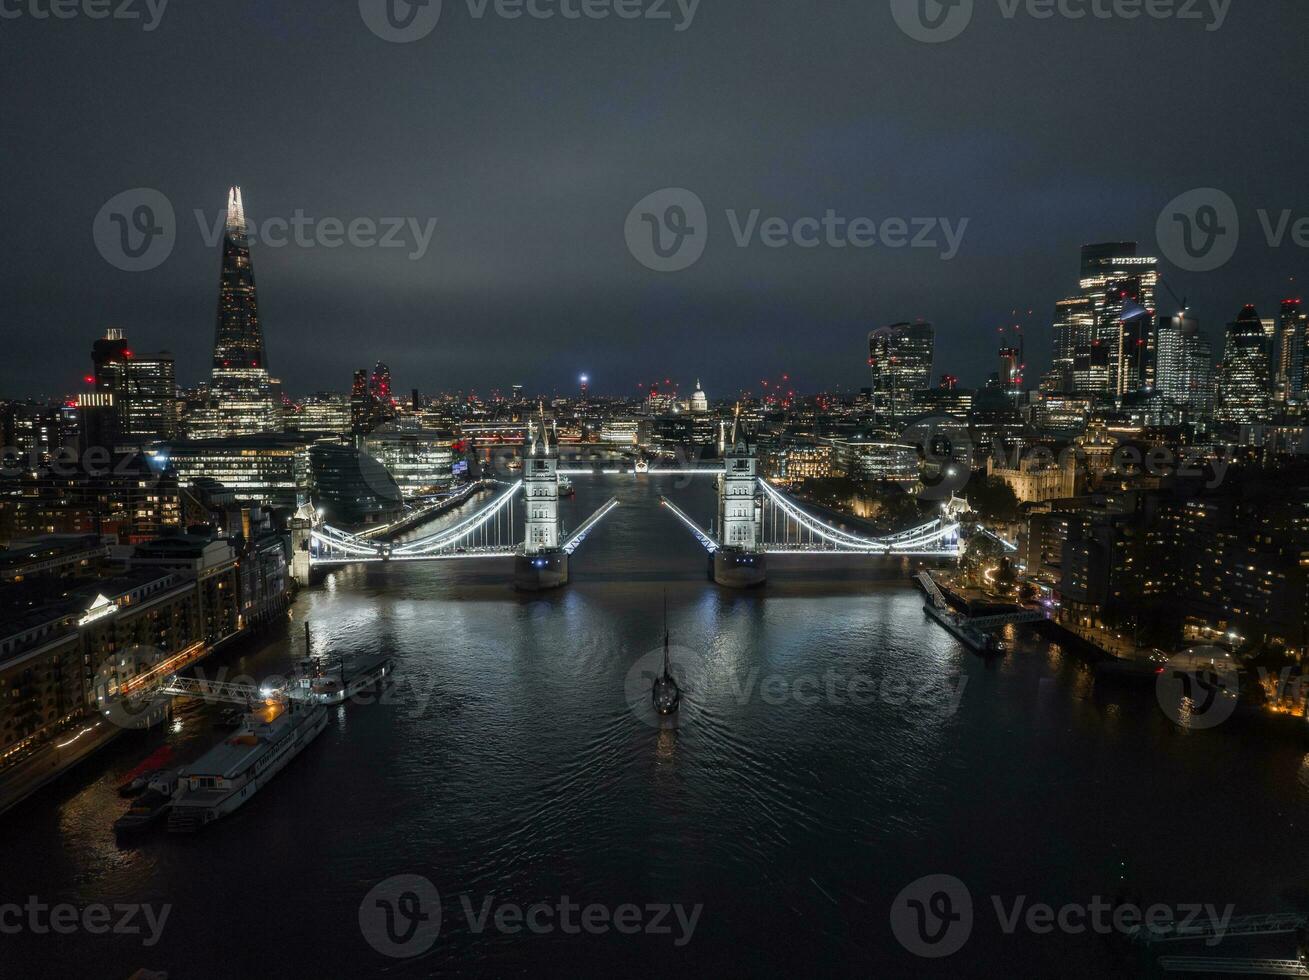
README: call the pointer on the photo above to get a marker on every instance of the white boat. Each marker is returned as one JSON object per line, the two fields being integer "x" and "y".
{"x": 232, "y": 772}
{"x": 350, "y": 679}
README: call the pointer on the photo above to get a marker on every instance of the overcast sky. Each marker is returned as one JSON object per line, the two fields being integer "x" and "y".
{"x": 529, "y": 141}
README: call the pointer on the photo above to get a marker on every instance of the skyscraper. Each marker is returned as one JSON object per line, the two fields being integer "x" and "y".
{"x": 1244, "y": 392}
{"x": 136, "y": 394}
{"x": 1288, "y": 375}
{"x": 244, "y": 399}
{"x": 1074, "y": 322}
{"x": 1101, "y": 325}
{"x": 900, "y": 357}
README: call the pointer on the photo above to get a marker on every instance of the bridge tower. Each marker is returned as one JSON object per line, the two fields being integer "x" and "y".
{"x": 740, "y": 562}
{"x": 302, "y": 526}
{"x": 543, "y": 564}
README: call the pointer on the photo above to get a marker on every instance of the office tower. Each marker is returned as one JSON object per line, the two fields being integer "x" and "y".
{"x": 1243, "y": 385}
{"x": 1011, "y": 371}
{"x": 1114, "y": 279}
{"x": 379, "y": 384}
{"x": 244, "y": 402}
{"x": 1171, "y": 367}
{"x": 135, "y": 397}
{"x": 1288, "y": 376}
{"x": 1074, "y": 322}
{"x": 361, "y": 412}
{"x": 1136, "y": 350}
{"x": 900, "y": 358}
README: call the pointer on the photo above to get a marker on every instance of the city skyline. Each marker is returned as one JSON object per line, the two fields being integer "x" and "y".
{"x": 530, "y": 194}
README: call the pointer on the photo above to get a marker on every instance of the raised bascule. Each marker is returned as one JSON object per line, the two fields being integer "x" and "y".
{"x": 540, "y": 557}
{"x": 754, "y": 520}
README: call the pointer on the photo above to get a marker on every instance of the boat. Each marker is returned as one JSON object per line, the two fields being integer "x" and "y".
{"x": 350, "y": 679}
{"x": 137, "y": 781}
{"x": 229, "y": 774}
{"x": 151, "y": 805}
{"x": 642, "y": 466}
{"x": 566, "y": 488}
{"x": 665, "y": 693}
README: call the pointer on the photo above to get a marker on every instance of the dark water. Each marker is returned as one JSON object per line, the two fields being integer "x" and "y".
{"x": 508, "y": 763}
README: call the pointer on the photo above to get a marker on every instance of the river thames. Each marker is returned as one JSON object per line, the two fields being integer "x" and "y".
{"x": 835, "y": 746}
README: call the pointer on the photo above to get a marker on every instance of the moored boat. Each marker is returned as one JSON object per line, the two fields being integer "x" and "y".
{"x": 232, "y": 772}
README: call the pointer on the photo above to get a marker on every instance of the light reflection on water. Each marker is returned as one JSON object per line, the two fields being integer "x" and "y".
{"x": 506, "y": 759}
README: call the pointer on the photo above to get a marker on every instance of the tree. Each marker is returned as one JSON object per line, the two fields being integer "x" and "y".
{"x": 994, "y": 500}
{"x": 982, "y": 553}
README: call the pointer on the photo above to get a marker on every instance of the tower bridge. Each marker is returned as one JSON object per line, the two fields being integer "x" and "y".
{"x": 754, "y": 519}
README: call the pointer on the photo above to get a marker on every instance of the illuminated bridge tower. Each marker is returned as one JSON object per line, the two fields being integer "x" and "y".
{"x": 739, "y": 562}
{"x": 543, "y": 563}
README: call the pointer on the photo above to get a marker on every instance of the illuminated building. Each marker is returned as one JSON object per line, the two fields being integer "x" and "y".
{"x": 272, "y": 470}
{"x": 244, "y": 397}
{"x": 1288, "y": 379}
{"x": 421, "y": 462}
{"x": 1095, "y": 329}
{"x": 1243, "y": 385}
{"x": 323, "y": 414}
{"x": 900, "y": 358}
{"x": 351, "y": 488}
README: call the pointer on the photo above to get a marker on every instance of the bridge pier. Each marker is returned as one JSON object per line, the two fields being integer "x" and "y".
{"x": 541, "y": 572}
{"x": 734, "y": 568}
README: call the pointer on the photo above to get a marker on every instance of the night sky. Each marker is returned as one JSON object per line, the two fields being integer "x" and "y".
{"x": 531, "y": 140}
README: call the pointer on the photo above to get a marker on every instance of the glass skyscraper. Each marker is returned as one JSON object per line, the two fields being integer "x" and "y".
{"x": 1105, "y": 333}
{"x": 900, "y": 358}
{"x": 1243, "y": 387}
{"x": 244, "y": 399}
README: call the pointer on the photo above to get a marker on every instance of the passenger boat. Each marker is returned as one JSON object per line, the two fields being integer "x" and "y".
{"x": 232, "y": 772}
{"x": 566, "y": 488}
